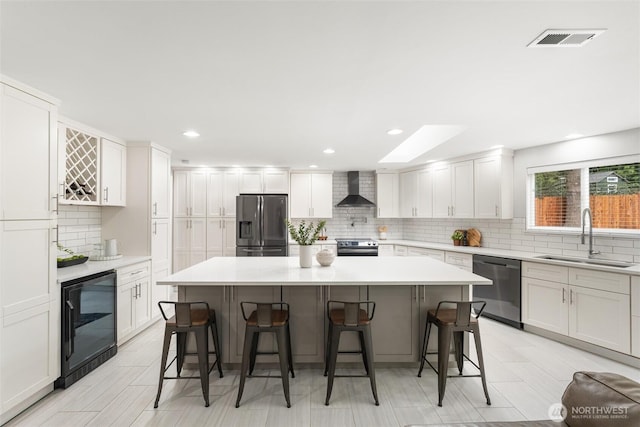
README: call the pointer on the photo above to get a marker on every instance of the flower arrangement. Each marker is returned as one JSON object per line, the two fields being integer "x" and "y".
{"x": 305, "y": 234}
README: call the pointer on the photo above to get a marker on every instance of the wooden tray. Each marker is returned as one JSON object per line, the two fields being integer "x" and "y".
{"x": 473, "y": 237}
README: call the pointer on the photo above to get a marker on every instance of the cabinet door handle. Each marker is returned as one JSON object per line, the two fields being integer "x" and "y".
{"x": 57, "y": 198}
{"x": 155, "y": 208}
{"x": 378, "y": 211}
{"x": 570, "y": 296}
{"x": 448, "y": 210}
{"x": 155, "y": 228}
{"x": 223, "y": 211}
{"x": 496, "y": 210}
{"x": 563, "y": 297}
{"x": 57, "y": 235}
{"x": 106, "y": 194}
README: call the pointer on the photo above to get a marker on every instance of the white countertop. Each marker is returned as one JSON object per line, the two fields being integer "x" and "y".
{"x": 634, "y": 270}
{"x": 92, "y": 267}
{"x": 344, "y": 271}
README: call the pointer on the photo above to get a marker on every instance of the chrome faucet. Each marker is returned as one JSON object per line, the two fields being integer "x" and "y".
{"x": 584, "y": 214}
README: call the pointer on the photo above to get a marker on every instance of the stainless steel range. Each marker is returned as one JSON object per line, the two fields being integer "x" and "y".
{"x": 357, "y": 247}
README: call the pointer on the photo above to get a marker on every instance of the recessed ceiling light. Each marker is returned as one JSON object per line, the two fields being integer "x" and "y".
{"x": 423, "y": 140}
{"x": 394, "y": 131}
{"x": 495, "y": 147}
{"x": 313, "y": 166}
{"x": 329, "y": 151}
{"x": 574, "y": 136}
{"x": 191, "y": 133}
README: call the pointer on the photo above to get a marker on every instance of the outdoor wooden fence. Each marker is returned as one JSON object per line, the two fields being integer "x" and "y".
{"x": 608, "y": 210}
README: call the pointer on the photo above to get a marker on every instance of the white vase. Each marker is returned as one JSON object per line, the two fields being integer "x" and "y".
{"x": 306, "y": 252}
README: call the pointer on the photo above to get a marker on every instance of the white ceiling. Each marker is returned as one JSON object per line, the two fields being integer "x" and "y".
{"x": 274, "y": 83}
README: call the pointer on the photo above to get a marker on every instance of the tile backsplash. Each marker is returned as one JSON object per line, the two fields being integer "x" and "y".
{"x": 80, "y": 228}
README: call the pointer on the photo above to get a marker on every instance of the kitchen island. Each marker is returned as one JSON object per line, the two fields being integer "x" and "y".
{"x": 404, "y": 288}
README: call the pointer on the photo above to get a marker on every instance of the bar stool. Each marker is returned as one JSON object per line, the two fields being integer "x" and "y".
{"x": 349, "y": 318}
{"x": 266, "y": 319}
{"x": 454, "y": 322}
{"x": 194, "y": 317}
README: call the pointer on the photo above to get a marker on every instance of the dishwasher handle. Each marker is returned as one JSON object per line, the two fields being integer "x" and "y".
{"x": 499, "y": 264}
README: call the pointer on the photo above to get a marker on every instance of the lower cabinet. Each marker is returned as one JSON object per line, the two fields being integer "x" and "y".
{"x": 635, "y": 316}
{"x": 133, "y": 300}
{"x": 395, "y": 326}
{"x": 307, "y": 317}
{"x": 598, "y": 313}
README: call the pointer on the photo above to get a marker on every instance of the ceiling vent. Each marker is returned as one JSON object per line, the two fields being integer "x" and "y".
{"x": 565, "y": 38}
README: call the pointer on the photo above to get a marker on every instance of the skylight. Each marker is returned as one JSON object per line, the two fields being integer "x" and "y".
{"x": 423, "y": 140}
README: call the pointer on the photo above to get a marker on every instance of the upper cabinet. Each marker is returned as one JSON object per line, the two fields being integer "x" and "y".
{"x": 91, "y": 166}
{"x": 311, "y": 195}
{"x": 79, "y": 171}
{"x": 415, "y": 194}
{"x": 493, "y": 178}
{"x": 222, "y": 188}
{"x": 388, "y": 195}
{"x": 453, "y": 190}
{"x": 28, "y": 143}
{"x": 160, "y": 183}
{"x": 190, "y": 193}
{"x": 113, "y": 173}
{"x": 276, "y": 181}
{"x": 475, "y": 188}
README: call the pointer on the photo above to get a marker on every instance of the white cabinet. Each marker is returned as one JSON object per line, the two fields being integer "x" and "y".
{"x": 453, "y": 190}
{"x": 27, "y": 147}
{"x": 133, "y": 299}
{"x": 276, "y": 181}
{"x": 221, "y": 237}
{"x": 432, "y": 253}
{"x": 388, "y": 195}
{"x": 251, "y": 181}
{"x": 460, "y": 260}
{"x": 416, "y": 194}
{"x": 189, "y": 193}
{"x": 385, "y": 250}
{"x": 311, "y": 195}
{"x": 160, "y": 176}
{"x": 493, "y": 185}
{"x": 29, "y": 293}
{"x": 222, "y": 189}
{"x": 78, "y": 155}
{"x": 597, "y": 312}
{"x": 189, "y": 242}
{"x": 113, "y": 173}
{"x": 399, "y": 250}
{"x": 143, "y": 228}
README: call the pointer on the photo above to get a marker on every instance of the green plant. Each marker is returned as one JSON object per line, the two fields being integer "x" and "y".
{"x": 457, "y": 235}
{"x": 72, "y": 254}
{"x": 305, "y": 234}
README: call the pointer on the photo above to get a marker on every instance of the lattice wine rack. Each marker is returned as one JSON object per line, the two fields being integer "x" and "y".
{"x": 81, "y": 182}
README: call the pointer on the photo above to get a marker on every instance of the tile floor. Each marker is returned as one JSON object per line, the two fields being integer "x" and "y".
{"x": 526, "y": 374}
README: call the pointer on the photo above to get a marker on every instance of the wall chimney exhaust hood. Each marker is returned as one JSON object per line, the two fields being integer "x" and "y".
{"x": 354, "y": 199}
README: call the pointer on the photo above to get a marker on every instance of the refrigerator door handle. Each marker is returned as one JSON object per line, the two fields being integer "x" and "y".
{"x": 261, "y": 215}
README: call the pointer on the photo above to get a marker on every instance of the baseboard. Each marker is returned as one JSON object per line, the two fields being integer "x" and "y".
{"x": 627, "y": 359}
{"x": 25, "y": 404}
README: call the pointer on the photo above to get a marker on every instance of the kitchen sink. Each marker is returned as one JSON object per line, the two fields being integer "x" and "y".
{"x": 593, "y": 261}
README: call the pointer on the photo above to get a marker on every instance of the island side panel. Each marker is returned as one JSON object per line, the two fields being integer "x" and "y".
{"x": 395, "y": 327}
{"x": 307, "y": 316}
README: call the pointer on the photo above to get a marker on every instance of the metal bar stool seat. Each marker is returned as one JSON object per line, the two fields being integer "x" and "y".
{"x": 266, "y": 319}
{"x": 454, "y": 322}
{"x": 194, "y": 317}
{"x": 351, "y": 317}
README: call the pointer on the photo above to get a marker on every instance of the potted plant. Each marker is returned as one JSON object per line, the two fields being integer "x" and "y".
{"x": 305, "y": 235}
{"x": 457, "y": 237}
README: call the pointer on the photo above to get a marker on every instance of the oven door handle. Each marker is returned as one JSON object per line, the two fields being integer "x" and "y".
{"x": 70, "y": 331}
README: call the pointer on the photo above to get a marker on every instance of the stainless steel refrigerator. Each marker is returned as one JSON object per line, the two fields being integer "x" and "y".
{"x": 260, "y": 227}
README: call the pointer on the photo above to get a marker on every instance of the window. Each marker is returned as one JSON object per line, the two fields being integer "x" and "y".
{"x": 610, "y": 188}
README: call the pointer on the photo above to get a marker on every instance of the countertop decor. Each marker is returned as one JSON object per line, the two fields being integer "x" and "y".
{"x": 305, "y": 235}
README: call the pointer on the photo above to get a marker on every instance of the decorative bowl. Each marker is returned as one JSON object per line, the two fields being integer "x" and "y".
{"x": 68, "y": 262}
{"x": 325, "y": 257}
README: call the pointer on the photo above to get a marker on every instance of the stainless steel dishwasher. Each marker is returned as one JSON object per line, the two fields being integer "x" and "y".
{"x": 503, "y": 298}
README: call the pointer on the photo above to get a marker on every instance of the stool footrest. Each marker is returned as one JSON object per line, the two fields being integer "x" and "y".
{"x": 351, "y": 376}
